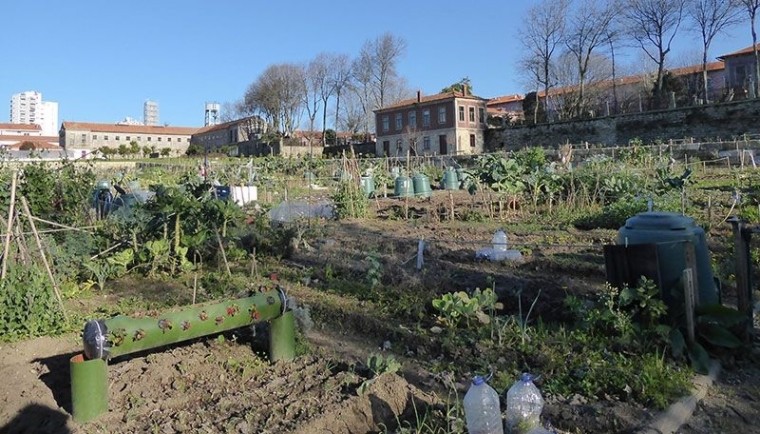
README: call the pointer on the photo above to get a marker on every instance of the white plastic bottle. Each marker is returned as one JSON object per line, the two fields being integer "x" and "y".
{"x": 499, "y": 241}
{"x": 481, "y": 408}
{"x": 524, "y": 406}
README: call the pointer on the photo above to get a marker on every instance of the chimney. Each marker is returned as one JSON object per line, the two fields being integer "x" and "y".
{"x": 464, "y": 89}
{"x": 419, "y": 96}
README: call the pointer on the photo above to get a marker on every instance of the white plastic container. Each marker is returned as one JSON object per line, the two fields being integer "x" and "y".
{"x": 481, "y": 408}
{"x": 499, "y": 241}
{"x": 524, "y": 406}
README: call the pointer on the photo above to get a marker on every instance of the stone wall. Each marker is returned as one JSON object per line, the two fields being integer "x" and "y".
{"x": 702, "y": 123}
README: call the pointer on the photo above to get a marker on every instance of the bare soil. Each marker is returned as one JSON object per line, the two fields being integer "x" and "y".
{"x": 226, "y": 385}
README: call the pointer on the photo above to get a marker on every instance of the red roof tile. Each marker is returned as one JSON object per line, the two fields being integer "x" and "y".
{"x": 30, "y": 127}
{"x": 741, "y": 52}
{"x": 428, "y": 99}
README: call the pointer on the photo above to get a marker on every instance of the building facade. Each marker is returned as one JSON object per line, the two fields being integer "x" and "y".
{"x": 740, "y": 73}
{"x": 213, "y": 137}
{"x": 29, "y": 108}
{"x": 450, "y": 123}
{"x": 89, "y": 137}
{"x": 150, "y": 113}
{"x": 25, "y": 136}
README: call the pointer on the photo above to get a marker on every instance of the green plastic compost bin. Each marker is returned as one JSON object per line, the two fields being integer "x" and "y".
{"x": 421, "y": 185}
{"x": 403, "y": 187}
{"x": 670, "y": 232}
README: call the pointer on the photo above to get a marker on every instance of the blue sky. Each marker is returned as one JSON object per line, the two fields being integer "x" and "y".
{"x": 100, "y": 60}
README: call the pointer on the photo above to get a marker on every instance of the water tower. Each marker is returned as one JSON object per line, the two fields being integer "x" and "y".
{"x": 212, "y": 114}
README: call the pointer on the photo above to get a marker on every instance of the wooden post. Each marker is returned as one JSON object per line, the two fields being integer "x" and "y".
{"x": 11, "y": 213}
{"x": 689, "y": 302}
{"x": 420, "y": 252}
{"x": 43, "y": 256}
{"x": 451, "y": 205}
{"x": 743, "y": 284}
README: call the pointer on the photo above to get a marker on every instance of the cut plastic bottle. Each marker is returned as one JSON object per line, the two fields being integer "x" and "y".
{"x": 481, "y": 408}
{"x": 524, "y": 406}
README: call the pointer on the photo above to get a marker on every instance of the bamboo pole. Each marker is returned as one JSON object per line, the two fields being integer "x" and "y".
{"x": 11, "y": 211}
{"x": 43, "y": 256}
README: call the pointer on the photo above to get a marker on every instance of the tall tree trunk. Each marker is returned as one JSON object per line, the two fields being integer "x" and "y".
{"x": 704, "y": 74}
{"x": 614, "y": 81}
{"x": 337, "y": 107}
{"x": 757, "y": 59}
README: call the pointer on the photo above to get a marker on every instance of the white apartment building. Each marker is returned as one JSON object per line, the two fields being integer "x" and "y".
{"x": 29, "y": 108}
{"x": 150, "y": 113}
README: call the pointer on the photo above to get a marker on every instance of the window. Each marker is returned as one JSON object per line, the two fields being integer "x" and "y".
{"x": 169, "y": 139}
{"x": 426, "y": 143}
{"x": 149, "y": 139}
{"x": 398, "y": 147}
{"x": 426, "y": 118}
{"x": 412, "y": 119}
{"x": 159, "y": 139}
{"x": 399, "y": 121}
{"x": 472, "y": 140}
{"x": 139, "y": 138}
{"x": 94, "y": 137}
{"x": 84, "y": 138}
{"x": 117, "y": 137}
{"x": 481, "y": 117}
{"x": 441, "y": 115}
{"x": 128, "y": 138}
{"x": 461, "y": 113}
{"x": 386, "y": 123}
{"x": 472, "y": 114}
{"x": 105, "y": 137}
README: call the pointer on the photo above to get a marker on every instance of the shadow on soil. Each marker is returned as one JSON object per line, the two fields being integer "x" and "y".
{"x": 57, "y": 379}
{"x": 37, "y": 419}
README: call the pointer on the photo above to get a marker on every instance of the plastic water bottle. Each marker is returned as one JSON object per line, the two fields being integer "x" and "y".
{"x": 499, "y": 241}
{"x": 481, "y": 408}
{"x": 524, "y": 406}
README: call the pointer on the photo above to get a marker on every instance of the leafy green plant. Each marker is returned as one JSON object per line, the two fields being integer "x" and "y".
{"x": 101, "y": 271}
{"x": 378, "y": 365}
{"x": 714, "y": 325}
{"x": 461, "y": 306}
{"x": 27, "y": 304}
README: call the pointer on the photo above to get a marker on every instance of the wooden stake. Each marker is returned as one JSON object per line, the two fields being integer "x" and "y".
{"x": 11, "y": 211}
{"x": 21, "y": 243}
{"x": 43, "y": 256}
{"x": 221, "y": 248}
{"x": 253, "y": 262}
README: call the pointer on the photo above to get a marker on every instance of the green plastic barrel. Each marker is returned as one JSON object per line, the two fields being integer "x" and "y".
{"x": 309, "y": 177}
{"x": 421, "y": 185}
{"x": 450, "y": 179}
{"x": 368, "y": 185}
{"x": 670, "y": 232}
{"x": 403, "y": 187}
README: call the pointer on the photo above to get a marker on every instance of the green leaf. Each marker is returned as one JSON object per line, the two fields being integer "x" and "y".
{"x": 719, "y": 314}
{"x": 719, "y": 336}
{"x": 700, "y": 360}
{"x": 677, "y": 342}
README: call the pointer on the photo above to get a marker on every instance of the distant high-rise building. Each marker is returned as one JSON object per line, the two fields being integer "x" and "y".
{"x": 212, "y": 114}
{"x": 28, "y": 108}
{"x": 150, "y": 113}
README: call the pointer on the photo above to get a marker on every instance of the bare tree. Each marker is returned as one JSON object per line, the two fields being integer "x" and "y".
{"x": 752, "y": 6}
{"x": 277, "y": 94}
{"x": 654, "y": 24}
{"x": 588, "y": 29}
{"x": 542, "y": 32}
{"x": 341, "y": 75}
{"x": 709, "y": 18}
{"x": 381, "y": 56}
{"x": 314, "y": 78}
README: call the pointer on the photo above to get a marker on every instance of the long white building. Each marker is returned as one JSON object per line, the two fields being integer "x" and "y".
{"x": 29, "y": 108}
